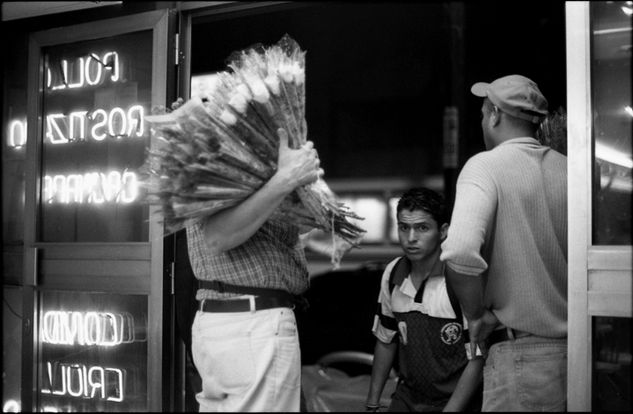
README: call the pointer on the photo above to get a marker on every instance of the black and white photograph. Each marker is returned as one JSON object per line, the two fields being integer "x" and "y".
{"x": 306, "y": 206}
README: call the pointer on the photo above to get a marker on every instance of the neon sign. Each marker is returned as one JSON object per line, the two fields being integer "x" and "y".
{"x": 11, "y": 406}
{"x": 17, "y": 134}
{"x": 80, "y": 125}
{"x": 90, "y": 328}
{"x": 98, "y": 124}
{"x": 91, "y": 188}
{"x": 90, "y": 70}
{"x": 78, "y": 380}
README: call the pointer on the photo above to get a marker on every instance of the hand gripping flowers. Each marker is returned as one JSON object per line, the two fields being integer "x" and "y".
{"x": 218, "y": 149}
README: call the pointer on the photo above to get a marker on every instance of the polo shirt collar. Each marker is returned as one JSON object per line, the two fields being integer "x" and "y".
{"x": 403, "y": 269}
{"x": 521, "y": 140}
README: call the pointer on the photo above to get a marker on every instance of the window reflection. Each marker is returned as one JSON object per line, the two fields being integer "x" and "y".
{"x": 612, "y": 116}
{"x": 97, "y": 95}
{"x": 611, "y": 364}
{"x": 92, "y": 352}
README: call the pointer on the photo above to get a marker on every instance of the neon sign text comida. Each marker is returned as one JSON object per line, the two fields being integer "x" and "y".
{"x": 86, "y": 329}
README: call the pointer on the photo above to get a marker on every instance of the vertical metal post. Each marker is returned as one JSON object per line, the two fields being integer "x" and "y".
{"x": 579, "y": 204}
{"x": 456, "y": 23}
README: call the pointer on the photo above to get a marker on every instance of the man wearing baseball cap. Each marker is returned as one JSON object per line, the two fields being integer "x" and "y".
{"x": 506, "y": 251}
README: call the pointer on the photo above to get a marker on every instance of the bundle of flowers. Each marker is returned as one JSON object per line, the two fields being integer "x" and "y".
{"x": 553, "y": 131}
{"x": 216, "y": 150}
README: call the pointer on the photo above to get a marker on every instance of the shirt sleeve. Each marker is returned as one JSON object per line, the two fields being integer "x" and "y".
{"x": 475, "y": 206}
{"x": 385, "y": 325}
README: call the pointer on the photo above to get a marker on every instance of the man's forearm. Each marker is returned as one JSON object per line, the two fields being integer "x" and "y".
{"x": 231, "y": 227}
{"x": 466, "y": 386}
{"x": 383, "y": 361}
{"x": 469, "y": 291}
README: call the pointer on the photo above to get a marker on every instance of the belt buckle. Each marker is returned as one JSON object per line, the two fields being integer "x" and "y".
{"x": 201, "y": 308}
{"x": 251, "y": 303}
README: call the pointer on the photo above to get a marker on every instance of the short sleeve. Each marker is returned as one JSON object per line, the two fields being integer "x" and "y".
{"x": 385, "y": 324}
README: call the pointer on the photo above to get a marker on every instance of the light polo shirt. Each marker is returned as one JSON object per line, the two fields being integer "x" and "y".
{"x": 435, "y": 301}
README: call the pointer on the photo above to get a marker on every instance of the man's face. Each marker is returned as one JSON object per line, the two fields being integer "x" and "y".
{"x": 419, "y": 234}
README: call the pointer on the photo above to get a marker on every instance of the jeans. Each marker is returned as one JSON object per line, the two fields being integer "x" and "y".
{"x": 247, "y": 361}
{"x": 527, "y": 374}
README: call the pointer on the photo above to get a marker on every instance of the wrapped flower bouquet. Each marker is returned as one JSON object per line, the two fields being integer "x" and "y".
{"x": 553, "y": 131}
{"x": 216, "y": 150}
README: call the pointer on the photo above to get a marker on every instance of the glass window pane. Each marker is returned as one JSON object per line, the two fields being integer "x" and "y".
{"x": 97, "y": 94}
{"x": 374, "y": 212}
{"x": 612, "y": 115}
{"x": 393, "y": 219}
{"x": 611, "y": 364}
{"x": 14, "y": 141}
{"x": 11, "y": 349}
{"x": 93, "y": 352}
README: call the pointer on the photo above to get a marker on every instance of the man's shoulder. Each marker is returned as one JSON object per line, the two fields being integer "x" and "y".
{"x": 482, "y": 163}
{"x": 390, "y": 266}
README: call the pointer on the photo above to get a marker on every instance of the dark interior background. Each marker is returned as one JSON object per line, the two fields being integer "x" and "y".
{"x": 378, "y": 78}
{"x": 380, "y": 74}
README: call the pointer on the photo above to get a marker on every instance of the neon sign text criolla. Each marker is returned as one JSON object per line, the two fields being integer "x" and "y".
{"x": 80, "y": 381}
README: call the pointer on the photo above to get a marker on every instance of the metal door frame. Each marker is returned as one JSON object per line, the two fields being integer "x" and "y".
{"x": 146, "y": 276}
{"x": 599, "y": 277}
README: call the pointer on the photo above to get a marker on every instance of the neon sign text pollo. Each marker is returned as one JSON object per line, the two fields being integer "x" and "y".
{"x": 90, "y": 70}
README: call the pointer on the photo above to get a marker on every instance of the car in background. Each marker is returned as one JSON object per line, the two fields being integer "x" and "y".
{"x": 337, "y": 344}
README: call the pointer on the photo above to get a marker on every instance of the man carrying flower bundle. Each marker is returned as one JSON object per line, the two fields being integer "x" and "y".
{"x": 419, "y": 319}
{"x": 251, "y": 268}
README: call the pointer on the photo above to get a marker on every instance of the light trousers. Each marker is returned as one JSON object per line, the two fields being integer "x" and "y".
{"x": 527, "y": 374}
{"x": 248, "y": 361}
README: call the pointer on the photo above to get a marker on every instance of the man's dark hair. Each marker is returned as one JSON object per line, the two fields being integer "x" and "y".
{"x": 424, "y": 199}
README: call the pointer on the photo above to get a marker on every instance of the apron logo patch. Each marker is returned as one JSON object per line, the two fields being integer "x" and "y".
{"x": 451, "y": 333}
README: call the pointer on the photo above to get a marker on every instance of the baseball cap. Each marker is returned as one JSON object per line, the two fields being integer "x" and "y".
{"x": 515, "y": 95}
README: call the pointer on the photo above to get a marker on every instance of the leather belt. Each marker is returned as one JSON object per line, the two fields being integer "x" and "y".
{"x": 252, "y": 304}
{"x": 505, "y": 334}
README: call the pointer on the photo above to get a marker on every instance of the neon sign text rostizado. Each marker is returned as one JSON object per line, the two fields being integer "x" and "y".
{"x": 80, "y": 125}
{"x": 84, "y": 71}
{"x": 98, "y": 124}
{"x": 17, "y": 134}
{"x": 90, "y": 328}
{"x": 77, "y": 380}
{"x": 91, "y": 188}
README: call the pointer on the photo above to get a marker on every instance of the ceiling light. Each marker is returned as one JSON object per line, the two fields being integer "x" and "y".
{"x": 613, "y": 156}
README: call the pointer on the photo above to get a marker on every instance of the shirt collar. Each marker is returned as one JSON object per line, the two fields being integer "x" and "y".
{"x": 407, "y": 287}
{"x": 403, "y": 270}
{"x": 521, "y": 140}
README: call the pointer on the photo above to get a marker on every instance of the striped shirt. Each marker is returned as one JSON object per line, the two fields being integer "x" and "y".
{"x": 509, "y": 224}
{"x": 272, "y": 258}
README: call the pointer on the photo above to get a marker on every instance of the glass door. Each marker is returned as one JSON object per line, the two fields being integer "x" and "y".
{"x": 600, "y": 191}
{"x": 93, "y": 267}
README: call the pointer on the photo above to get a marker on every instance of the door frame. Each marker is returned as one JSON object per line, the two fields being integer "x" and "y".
{"x": 146, "y": 277}
{"x": 599, "y": 277}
